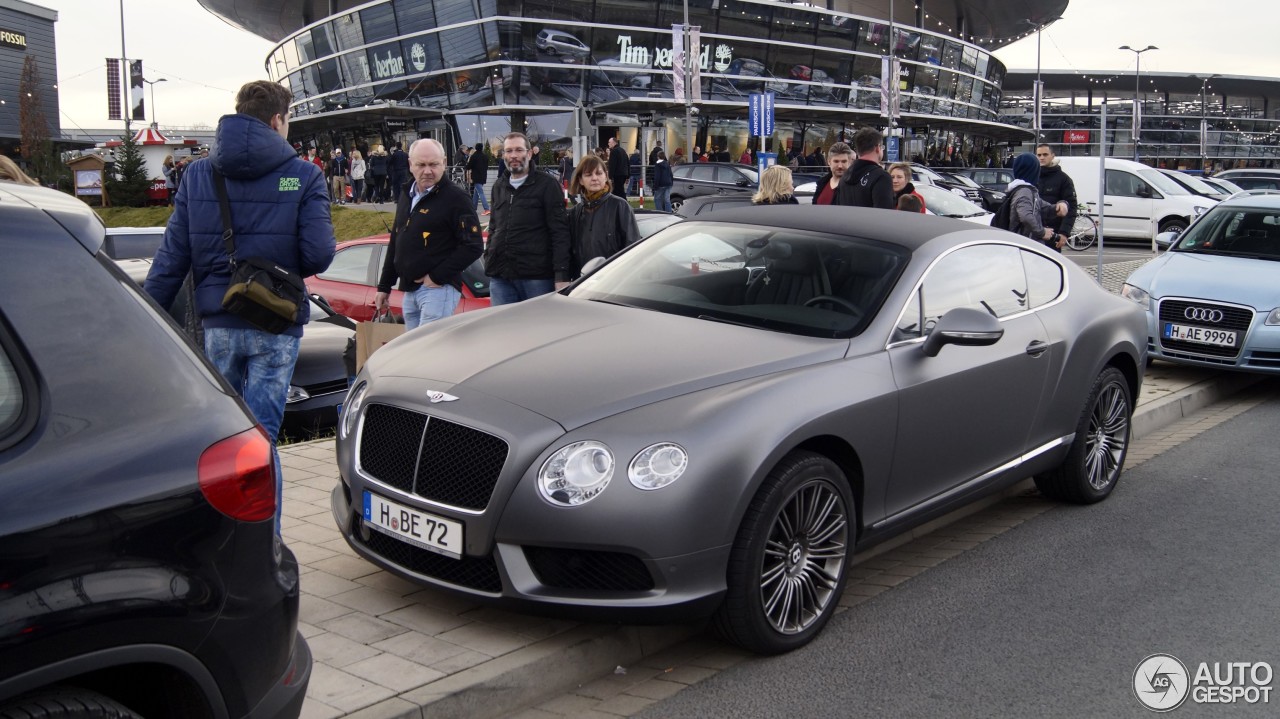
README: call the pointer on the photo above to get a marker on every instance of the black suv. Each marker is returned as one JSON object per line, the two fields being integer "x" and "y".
{"x": 140, "y": 573}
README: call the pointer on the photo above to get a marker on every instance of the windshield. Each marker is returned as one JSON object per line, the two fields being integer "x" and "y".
{"x": 1199, "y": 186}
{"x": 1227, "y": 186}
{"x": 777, "y": 279}
{"x": 1235, "y": 231}
{"x": 947, "y": 203}
{"x": 1161, "y": 183}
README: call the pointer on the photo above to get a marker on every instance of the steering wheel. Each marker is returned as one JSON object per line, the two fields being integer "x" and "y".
{"x": 838, "y": 301}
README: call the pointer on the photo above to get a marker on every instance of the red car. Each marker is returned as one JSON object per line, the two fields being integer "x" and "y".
{"x": 351, "y": 280}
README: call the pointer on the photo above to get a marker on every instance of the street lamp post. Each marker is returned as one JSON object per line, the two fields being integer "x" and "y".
{"x": 155, "y": 122}
{"x": 1038, "y": 92}
{"x": 1137, "y": 92}
{"x": 1204, "y": 122}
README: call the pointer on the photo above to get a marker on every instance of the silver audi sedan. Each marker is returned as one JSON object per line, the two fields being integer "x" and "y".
{"x": 715, "y": 420}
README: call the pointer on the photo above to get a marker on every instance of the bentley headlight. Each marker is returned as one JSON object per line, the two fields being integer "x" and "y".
{"x": 1274, "y": 317}
{"x": 1136, "y": 294}
{"x": 657, "y": 466}
{"x": 576, "y": 473}
{"x": 296, "y": 394}
{"x": 351, "y": 410}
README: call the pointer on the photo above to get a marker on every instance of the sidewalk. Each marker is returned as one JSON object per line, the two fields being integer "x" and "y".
{"x": 384, "y": 647}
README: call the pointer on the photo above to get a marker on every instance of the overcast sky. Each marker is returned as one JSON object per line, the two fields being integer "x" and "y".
{"x": 204, "y": 60}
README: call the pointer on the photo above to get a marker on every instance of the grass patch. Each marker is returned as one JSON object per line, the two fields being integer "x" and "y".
{"x": 348, "y": 223}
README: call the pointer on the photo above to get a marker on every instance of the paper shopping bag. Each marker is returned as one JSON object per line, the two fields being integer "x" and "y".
{"x": 372, "y": 335}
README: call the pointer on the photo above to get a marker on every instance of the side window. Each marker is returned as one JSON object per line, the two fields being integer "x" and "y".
{"x": 989, "y": 278}
{"x": 910, "y": 324}
{"x": 728, "y": 175}
{"x": 1044, "y": 279}
{"x": 11, "y": 396}
{"x": 18, "y": 410}
{"x": 1123, "y": 184}
{"x": 681, "y": 171}
{"x": 350, "y": 265}
{"x": 702, "y": 172}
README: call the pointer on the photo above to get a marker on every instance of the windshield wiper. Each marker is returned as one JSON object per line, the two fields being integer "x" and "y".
{"x": 728, "y": 322}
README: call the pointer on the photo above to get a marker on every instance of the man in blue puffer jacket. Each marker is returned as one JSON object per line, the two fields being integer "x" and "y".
{"x": 279, "y": 211}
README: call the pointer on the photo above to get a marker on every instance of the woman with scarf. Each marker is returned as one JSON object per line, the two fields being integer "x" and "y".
{"x": 601, "y": 223}
{"x": 1027, "y": 212}
{"x": 900, "y": 176}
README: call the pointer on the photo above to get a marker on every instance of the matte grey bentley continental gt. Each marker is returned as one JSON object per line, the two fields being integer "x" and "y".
{"x": 716, "y": 419}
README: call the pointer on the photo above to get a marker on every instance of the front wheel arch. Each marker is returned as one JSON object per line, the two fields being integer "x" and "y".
{"x": 1170, "y": 224}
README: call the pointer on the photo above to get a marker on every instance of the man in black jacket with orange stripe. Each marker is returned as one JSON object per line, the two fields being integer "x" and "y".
{"x": 435, "y": 237}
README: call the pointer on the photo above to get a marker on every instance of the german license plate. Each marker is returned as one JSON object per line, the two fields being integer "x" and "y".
{"x": 1202, "y": 335}
{"x": 421, "y": 529}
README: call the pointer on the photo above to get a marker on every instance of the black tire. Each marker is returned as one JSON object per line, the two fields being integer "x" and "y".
{"x": 794, "y": 544}
{"x": 1093, "y": 466}
{"x": 676, "y": 202}
{"x": 1174, "y": 224}
{"x": 66, "y": 703}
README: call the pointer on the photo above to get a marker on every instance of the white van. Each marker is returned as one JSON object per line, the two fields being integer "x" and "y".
{"x": 1140, "y": 202}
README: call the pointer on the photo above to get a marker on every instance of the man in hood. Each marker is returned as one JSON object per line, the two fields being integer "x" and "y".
{"x": 279, "y": 212}
{"x": 1056, "y": 187}
{"x": 866, "y": 184}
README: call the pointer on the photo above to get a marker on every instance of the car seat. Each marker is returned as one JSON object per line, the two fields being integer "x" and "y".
{"x": 793, "y": 274}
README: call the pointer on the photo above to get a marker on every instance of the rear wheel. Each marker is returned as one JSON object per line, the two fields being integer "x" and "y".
{"x": 1083, "y": 234}
{"x": 1092, "y": 467}
{"x": 676, "y": 202}
{"x": 788, "y": 564}
{"x": 66, "y": 703}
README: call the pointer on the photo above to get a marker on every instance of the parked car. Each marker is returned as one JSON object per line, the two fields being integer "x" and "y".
{"x": 1211, "y": 300}
{"x": 1139, "y": 201}
{"x": 989, "y": 199}
{"x": 352, "y": 280}
{"x": 693, "y": 179}
{"x": 320, "y": 376}
{"x": 945, "y": 203}
{"x": 558, "y": 42}
{"x": 1252, "y": 178}
{"x": 128, "y": 243}
{"x": 775, "y": 387}
{"x": 1195, "y": 185}
{"x": 650, "y": 221}
{"x": 1227, "y": 187}
{"x": 142, "y": 575}
{"x": 992, "y": 178}
{"x": 921, "y": 175}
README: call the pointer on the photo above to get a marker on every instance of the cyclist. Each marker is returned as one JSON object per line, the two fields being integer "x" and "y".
{"x": 1055, "y": 187}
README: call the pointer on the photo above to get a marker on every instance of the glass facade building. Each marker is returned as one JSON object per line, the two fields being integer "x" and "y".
{"x": 554, "y": 67}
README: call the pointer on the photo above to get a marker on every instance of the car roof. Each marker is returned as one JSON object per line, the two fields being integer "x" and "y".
{"x": 906, "y": 229}
{"x": 1248, "y": 172}
{"x": 1264, "y": 199}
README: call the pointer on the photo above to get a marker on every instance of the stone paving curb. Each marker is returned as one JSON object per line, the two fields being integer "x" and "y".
{"x": 1166, "y": 410}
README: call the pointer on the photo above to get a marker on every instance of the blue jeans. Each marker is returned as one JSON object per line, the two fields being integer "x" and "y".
{"x": 429, "y": 303}
{"x": 662, "y": 198}
{"x": 259, "y": 365}
{"x": 505, "y": 292}
{"x": 477, "y": 191}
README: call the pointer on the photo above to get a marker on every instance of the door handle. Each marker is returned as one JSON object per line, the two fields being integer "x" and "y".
{"x": 1037, "y": 348}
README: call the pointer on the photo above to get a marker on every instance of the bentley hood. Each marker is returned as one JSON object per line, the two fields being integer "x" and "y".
{"x": 575, "y": 361}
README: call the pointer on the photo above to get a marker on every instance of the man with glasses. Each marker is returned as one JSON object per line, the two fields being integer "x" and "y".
{"x": 1056, "y": 188}
{"x": 528, "y": 251}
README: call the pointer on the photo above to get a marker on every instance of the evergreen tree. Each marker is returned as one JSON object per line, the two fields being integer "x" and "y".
{"x": 127, "y": 184}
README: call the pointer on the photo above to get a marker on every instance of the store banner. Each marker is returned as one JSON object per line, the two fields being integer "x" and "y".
{"x": 767, "y": 112}
{"x": 1075, "y": 137}
{"x": 695, "y": 64}
{"x": 115, "y": 93}
{"x": 678, "y": 63}
{"x": 135, "y": 89}
{"x": 889, "y": 97}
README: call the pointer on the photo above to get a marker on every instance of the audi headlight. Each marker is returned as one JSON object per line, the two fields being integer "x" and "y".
{"x": 657, "y": 466}
{"x": 351, "y": 410}
{"x": 576, "y": 474}
{"x": 1136, "y": 294}
{"x": 296, "y": 394}
{"x": 1274, "y": 317}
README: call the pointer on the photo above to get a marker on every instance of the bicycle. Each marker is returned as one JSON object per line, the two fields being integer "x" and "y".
{"x": 1085, "y": 230}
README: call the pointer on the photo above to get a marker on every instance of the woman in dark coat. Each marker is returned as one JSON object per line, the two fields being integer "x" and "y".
{"x": 601, "y": 223}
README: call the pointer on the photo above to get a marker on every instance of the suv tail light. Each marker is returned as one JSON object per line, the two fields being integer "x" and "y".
{"x": 237, "y": 476}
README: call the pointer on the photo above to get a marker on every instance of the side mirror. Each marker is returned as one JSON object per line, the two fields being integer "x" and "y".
{"x": 963, "y": 326}
{"x": 1144, "y": 192}
{"x": 742, "y": 182}
{"x": 592, "y": 265}
{"x": 1165, "y": 240}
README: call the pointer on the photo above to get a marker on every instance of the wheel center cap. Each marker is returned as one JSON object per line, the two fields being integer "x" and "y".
{"x": 796, "y": 554}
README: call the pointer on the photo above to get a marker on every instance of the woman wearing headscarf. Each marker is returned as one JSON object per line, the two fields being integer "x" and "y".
{"x": 1026, "y": 210}
{"x": 601, "y": 223}
{"x": 900, "y": 176}
{"x": 776, "y": 187}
